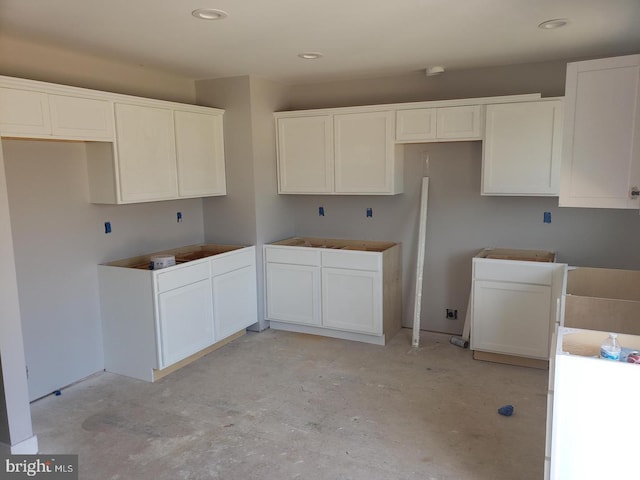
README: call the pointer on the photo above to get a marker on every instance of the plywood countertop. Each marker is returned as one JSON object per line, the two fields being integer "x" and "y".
{"x": 183, "y": 254}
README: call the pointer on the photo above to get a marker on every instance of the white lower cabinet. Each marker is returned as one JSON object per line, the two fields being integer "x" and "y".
{"x": 155, "y": 319}
{"x": 185, "y": 317}
{"x": 293, "y": 293}
{"x": 595, "y": 413}
{"x": 234, "y": 299}
{"x": 513, "y": 307}
{"x": 339, "y": 288}
{"x": 351, "y": 300}
{"x": 511, "y": 318}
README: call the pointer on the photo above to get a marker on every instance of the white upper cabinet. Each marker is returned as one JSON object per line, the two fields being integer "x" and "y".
{"x": 85, "y": 118}
{"x": 24, "y": 112}
{"x": 146, "y": 153}
{"x": 364, "y": 153}
{"x": 200, "y": 154}
{"x": 522, "y": 148}
{"x": 138, "y": 149}
{"x": 35, "y": 114}
{"x": 439, "y": 124}
{"x": 305, "y": 154}
{"x": 347, "y": 152}
{"x": 601, "y": 152}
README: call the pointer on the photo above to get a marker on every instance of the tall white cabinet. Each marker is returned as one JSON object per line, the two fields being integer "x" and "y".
{"x": 601, "y": 153}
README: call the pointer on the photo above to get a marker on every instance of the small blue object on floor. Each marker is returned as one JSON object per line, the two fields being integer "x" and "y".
{"x": 58, "y": 393}
{"x": 507, "y": 410}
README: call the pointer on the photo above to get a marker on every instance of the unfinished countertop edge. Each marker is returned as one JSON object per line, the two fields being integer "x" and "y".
{"x": 201, "y": 251}
{"x": 521, "y": 255}
{"x": 336, "y": 244}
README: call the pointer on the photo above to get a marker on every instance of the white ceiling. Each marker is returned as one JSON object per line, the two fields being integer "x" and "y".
{"x": 358, "y": 38}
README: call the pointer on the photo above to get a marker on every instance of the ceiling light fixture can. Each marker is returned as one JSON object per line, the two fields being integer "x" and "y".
{"x": 310, "y": 55}
{"x": 209, "y": 14}
{"x": 555, "y": 23}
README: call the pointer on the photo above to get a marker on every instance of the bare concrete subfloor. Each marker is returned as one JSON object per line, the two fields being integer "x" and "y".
{"x": 278, "y": 405}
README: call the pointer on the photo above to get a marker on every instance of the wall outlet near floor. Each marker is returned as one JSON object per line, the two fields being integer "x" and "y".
{"x": 452, "y": 314}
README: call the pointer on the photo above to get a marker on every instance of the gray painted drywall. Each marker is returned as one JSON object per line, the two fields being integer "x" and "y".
{"x": 252, "y": 212}
{"x": 546, "y": 78}
{"x": 24, "y": 58}
{"x": 58, "y": 241}
{"x": 232, "y": 218}
{"x": 14, "y": 404}
{"x": 460, "y": 222}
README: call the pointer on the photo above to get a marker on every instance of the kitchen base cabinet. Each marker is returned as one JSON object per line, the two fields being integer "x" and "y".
{"x": 185, "y": 317}
{"x": 345, "y": 289}
{"x": 293, "y": 292}
{"x": 595, "y": 413}
{"x": 513, "y": 307}
{"x": 157, "y": 320}
{"x": 351, "y": 300}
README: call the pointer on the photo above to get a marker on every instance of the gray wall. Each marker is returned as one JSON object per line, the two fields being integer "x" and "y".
{"x": 252, "y": 212}
{"x": 58, "y": 241}
{"x": 460, "y": 222}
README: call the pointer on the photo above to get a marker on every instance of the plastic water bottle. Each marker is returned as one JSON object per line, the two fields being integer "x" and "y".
{"x": 610, "y": 348}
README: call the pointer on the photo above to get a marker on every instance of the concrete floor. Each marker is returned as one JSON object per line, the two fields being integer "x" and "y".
{"x": 278, "y": 405}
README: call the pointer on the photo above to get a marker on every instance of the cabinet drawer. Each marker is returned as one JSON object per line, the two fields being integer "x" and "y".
{"x": 234, "y": 261}
{"x": 351, "y": 259}
{"x": 179, "y": 277}
{"x": 293, "y": 255}
{"x": 517, "y": 272}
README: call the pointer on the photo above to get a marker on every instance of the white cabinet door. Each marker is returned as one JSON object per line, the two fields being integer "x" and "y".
{"x": 511, "y": 318}
{"x": 522, "y": 148}
{"x": 364, "y": 152}
{"x": 459, "y": 123}
{"x": 185, "y": 321}
{"x": 24, "y": 112}
{"x": 416, "y": 125}
{"x": 293, "y": 293}
{"x": 439, "y": 124}
{"x": 305, "y": 154}
{"x": 601, "y": 147}
{"x": 200, "y": 154}
{"x": 146, "y": 153}
{"x": 351, "y": 300}
{"x": 234, "y": 301}
{"x": 81, "y": 118}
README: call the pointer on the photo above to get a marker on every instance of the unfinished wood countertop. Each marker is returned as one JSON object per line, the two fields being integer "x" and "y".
{"x": 336, "y": 244}
{"x": 183, "y": 254}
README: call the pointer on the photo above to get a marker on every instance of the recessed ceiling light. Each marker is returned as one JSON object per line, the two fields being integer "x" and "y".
{"x": 209, "y": 14}
{"x": 555, "y": 23}
{"x": 310, "y": 55}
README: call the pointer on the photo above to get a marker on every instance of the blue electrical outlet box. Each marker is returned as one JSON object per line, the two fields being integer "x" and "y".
{"x": 321, "y": 211}
{"x": 369, "y": 212}
{"x": 547, "y": 217}
{"x": 107, "y": 227}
